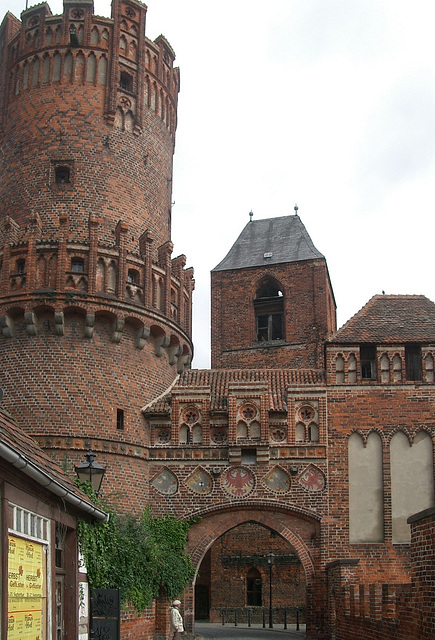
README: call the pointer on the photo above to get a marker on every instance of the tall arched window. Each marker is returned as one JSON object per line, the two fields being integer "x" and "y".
{"x": 253, "y": 588}
{"x": 269, "y": 311}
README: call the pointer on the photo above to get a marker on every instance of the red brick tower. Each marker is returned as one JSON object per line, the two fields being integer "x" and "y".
{"x": 95, "y": 314}
{"x": 272, "y": 300}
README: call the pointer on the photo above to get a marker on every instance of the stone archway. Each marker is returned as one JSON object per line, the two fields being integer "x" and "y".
{"x": 300, "y": 528}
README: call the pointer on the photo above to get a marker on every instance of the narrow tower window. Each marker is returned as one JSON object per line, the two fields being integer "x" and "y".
{"x": 269, "y": 312}
{"x": 120, "y": 419}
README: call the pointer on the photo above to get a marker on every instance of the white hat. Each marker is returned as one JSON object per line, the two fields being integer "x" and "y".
{"x": 176, "y": 603}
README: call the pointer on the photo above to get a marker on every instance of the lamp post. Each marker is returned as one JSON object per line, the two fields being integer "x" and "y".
{"x": 270, "y": 559}
{"x": 91, "y": 471}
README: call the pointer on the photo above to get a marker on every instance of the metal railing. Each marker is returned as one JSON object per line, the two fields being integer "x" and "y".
{"x": 259, "y": 615}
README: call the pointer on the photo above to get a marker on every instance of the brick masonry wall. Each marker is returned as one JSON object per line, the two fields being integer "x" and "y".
{"x": 423, "y": 563}
{"x": 307, "y": 317}
{"x": 245, "y": 548}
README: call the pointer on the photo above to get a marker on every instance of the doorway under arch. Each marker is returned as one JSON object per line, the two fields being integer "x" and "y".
{"x": 297, "y": 530}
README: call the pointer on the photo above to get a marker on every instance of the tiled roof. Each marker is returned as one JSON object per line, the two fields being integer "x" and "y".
{"x": 17, "y": 446}
{"x": 391, "y": 319}
{"x": 283, "y": 239}
{"x": 277, "y": 380}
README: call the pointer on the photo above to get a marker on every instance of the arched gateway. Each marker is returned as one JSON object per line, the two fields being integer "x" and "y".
{"x": 301, "y": 529}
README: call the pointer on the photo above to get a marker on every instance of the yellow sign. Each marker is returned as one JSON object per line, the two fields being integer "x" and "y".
{"x": 26, "y": 589}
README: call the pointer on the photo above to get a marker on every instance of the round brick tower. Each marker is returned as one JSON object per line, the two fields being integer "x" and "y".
{"x": 95, "y": 314}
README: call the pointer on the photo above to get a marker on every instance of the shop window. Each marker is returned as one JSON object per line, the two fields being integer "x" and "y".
{"x": 269, "y": 312}
{"x": 77, "y": 265}
{"x": 253, "y": 588}
{"x": 368, "y": 361}
{"x": 413, "y": 361}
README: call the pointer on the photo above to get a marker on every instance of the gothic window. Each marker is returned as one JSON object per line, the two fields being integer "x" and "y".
{"x": 413, "y": 361}
{"x": 57, "y": 61}
{"x": 91, "y": 67}
{"x": 126, "y": 81}
{"x": 184, "y": 437}
{"x": 197, "y": 434}
{"x": 429, "y": 367}
{"x": 385, "y": 369}
{"x": 102, "y": 70}
{"x": 133, "y": 276}
{"x": 397, "y": 368}
{"x": 300, "y": 432}
{"x": 339, "y": 369}
{"x": 95, "y": 36}
{"x": 35, "y": 72}
{"x": 368, "y": 361}
{"x": 77, "y": 265}
{"x": 313, "y": 432}
{"x": 269, "y": 312}
{"x": 351, "y": 368}
{"x": 46, "y": 69}
{"x": 253, "y": 588}
{"x": 20, "y": 266}
{"x": 111, "y": 278}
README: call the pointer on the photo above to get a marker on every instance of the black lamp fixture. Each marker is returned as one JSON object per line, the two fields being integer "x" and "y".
{"x": 91, "y": 471}
{"x": 270, "y": 559}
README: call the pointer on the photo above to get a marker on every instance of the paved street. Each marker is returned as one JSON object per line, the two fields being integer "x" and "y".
{"x": 207, "y": 631}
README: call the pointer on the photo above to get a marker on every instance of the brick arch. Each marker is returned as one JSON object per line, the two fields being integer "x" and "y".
{"x": 297, "y": 529}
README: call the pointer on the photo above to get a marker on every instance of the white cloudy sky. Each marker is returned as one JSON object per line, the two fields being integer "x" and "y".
{"x": 329, "y": 104}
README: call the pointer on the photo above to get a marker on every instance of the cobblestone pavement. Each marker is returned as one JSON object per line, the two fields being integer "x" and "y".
{"x": 210, "y": 631}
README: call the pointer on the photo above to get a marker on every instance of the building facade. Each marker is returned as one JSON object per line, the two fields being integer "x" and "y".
{"x": 310, "y": 443}
{"x": 44, "y": 591}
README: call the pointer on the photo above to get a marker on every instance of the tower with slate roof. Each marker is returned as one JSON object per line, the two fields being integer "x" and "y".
{"x": 272, "y": 299}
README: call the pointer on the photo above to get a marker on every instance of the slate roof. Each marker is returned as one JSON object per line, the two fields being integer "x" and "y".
{"x": 285, "y": 238}
{"x": 34, "y": 462}
{"x": 390, "y": 319}
{"x": 218, "y": 380}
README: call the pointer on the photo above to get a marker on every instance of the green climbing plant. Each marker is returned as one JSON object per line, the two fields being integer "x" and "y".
{"x": 139, "y": 556}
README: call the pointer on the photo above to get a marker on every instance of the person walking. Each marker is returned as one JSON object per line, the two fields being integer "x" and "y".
{"x": 176, "y": 621}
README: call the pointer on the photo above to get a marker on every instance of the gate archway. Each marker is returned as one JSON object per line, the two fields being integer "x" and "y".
{"x": 300, "y": 528}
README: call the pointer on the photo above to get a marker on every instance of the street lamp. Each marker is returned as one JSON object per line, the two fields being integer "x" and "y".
{"x": 270, "y": 559}
{"x": 91, "y": 471}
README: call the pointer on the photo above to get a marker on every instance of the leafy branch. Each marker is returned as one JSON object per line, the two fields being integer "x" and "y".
{"x": 139, "y": 556}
